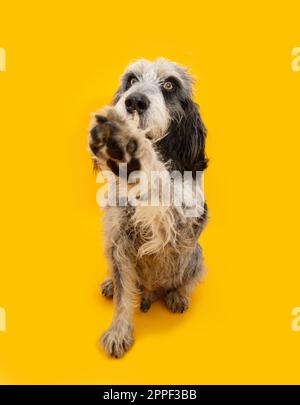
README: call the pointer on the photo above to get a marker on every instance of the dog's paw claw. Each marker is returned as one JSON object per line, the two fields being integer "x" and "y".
{"x": 176, "y": 302}
{"x": 107, "y": 288}
{"x": 116, "y": 343}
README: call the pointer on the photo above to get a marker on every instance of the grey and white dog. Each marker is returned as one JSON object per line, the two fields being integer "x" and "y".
{"x": 152, "y": 251}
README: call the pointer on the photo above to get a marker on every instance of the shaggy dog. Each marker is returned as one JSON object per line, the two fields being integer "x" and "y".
{"x": 152, "y": 251}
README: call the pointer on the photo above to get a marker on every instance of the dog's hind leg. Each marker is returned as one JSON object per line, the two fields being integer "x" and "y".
{"x": 177, "y": 299}
{"x": 148, "y": 297}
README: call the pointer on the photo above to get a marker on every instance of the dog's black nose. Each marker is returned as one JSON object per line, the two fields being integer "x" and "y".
{"x": 137, "y": 102}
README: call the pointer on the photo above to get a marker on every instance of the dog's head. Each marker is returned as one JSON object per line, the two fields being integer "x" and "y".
{"x": 160, "y": 92}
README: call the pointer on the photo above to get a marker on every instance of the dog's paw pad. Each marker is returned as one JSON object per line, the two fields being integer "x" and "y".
{"x": 107, "y": 288}
{"x": 101, "y": 119}
{"x": 116, "y": 343}
{"x": 114, "y": 149}
{"x": 176, "y": 302}
{"x": 101, "y": 131}
{"x": 122, "y": 150}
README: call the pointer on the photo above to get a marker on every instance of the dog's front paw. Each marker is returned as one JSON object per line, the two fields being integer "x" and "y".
{"x": 114, "y": 140}
{"x": 116, "y": 341}
{"x": 176, "y": 302}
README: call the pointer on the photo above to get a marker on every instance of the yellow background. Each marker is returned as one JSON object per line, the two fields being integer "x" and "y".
{"x": 64, "y": 61}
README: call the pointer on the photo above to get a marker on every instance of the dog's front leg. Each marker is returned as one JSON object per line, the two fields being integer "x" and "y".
{"x": 119, "y": 337}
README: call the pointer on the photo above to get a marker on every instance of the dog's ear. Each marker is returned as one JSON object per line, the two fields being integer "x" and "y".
{"x": 186, "y": 139}
{"x": 192, "y": 135}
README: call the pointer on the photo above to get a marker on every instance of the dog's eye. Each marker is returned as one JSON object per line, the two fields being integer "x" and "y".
{"x": 168, "y": 86}
{"x": 133, "y": 80}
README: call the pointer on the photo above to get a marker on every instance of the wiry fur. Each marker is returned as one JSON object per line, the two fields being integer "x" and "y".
{"x": 152, "y": 251}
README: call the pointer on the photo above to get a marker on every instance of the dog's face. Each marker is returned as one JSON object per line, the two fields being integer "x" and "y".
{"x": 157, "y": 91}
{"x": 160, "y": 94}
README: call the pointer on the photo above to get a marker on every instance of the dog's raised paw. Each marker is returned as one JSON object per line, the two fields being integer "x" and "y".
{"x": 115, "y": 342}
{"x": 114, "y": 140}
{"x": 107, "y": 288}
{"x": 176, "y": 302}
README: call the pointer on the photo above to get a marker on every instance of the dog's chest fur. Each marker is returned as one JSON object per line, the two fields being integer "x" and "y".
{"x": 164, "y": 265}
